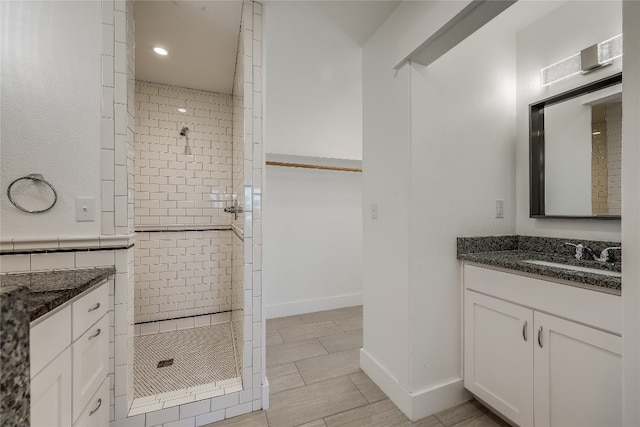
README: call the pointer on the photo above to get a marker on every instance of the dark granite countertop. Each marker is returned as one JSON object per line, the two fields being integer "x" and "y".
{"x": 510, "y": 252}
{"x": 50, "y": 289}
{"x": 14, "y": 356}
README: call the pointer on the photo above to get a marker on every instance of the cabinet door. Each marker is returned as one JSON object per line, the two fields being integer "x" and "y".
{"x": 578, "y": 375}
{"x": 498, "y": 355}
{"x": 51, "y": 393}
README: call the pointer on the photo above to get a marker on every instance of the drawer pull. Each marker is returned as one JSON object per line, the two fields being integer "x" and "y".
{"x": 95, "y": 335}
{"x": 97, "y": 407}
{"x": 524, "y": 331}
{"x": 540, "y": 337}
{"x": 94, "y": 308}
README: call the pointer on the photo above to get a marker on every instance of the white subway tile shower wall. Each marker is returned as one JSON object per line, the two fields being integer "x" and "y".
{"x": 173, "y": 186}
{"x": 182, "y": 274}
{"x": 237, "y": 297}
{"x": 117, "y": 133}
{"x": 240, "y": 120}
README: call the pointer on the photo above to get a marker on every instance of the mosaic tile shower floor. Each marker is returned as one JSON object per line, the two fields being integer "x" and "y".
{"x": 204, "y": 355}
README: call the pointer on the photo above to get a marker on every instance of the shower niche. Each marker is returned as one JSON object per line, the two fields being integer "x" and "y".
{"x": 197, "y": 317}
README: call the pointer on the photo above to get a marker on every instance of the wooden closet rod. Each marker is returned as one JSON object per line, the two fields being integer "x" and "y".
{"x": 307, "y": 166}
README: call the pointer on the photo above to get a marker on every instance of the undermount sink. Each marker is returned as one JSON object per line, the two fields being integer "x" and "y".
{"x": 575, "y": 268}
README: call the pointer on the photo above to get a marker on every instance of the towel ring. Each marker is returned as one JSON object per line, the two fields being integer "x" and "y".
{"x": 32, "y": 177}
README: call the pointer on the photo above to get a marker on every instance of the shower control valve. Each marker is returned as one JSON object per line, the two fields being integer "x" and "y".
{"x": 234, "y": 209}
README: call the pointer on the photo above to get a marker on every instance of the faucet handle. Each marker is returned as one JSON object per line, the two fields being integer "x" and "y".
{"x": 579, "y": 249}
{"x": 604, "y": 255}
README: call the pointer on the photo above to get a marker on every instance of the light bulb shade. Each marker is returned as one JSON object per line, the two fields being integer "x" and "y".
{"x": 561, "y": 70}
{"x": 610, "y": 49}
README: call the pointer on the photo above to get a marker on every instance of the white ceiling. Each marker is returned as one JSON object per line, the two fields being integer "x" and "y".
{"x": 358, "y": 19}
{"x": 202, "y": 37}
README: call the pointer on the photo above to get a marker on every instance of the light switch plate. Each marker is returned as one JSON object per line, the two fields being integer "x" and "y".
{"x": 499, "y": 208}
{"x": 85, "y": 209}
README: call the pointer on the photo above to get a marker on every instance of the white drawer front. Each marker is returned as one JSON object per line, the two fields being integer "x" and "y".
{"x": 88, "y": 309}
{"x": 48, "y": 338}
{"x": 51, "y": 394}
{"x": 96, "y": 414}
{"x": 90, "y": 360}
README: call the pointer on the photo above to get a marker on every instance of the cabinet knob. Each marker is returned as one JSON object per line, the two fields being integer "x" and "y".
{"x": 540, "y": 337}
{"x": 96, "y": 408}
{"x": 524, "y": 330}
{"x": 97, "y": 306}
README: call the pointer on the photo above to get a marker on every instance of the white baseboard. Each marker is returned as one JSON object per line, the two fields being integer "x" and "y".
{"x": 312, "y": 305}
{"x": 419, "y": 404}
{"x": 265, "y": 394}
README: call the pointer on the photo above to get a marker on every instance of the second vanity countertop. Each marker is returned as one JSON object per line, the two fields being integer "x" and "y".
{"x": 51, "y": 289}
{"x": 507, "y": 254}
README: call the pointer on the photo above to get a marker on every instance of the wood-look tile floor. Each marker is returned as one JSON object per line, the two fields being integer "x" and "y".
{"x": 315, "y": 380}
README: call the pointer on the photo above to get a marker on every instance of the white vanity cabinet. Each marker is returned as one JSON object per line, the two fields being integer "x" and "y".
{"x": 51, "y": 393}
{"x": 69, "y": 364}
{"x": 542, "y": 353}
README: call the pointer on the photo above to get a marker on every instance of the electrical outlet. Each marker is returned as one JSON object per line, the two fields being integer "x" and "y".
{"x": 85, "y": 209}
{"x": 499, "y": 208}
{"x": 374, "y": 211}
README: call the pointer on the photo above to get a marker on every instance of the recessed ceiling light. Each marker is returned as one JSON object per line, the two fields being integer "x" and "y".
{"x": 182, "y": 110}
{"x": 595, "y": 132}
{"x": 160, "y": 51}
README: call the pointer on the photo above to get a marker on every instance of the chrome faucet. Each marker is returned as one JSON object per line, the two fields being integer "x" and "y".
{"x": 581, "y": 249}
{"x": 604, "y": 255}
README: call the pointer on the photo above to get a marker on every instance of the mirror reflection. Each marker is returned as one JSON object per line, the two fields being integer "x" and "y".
{"x": 576, "y": 150}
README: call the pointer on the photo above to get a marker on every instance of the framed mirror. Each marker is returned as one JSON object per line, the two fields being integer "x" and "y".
{"x": 575, "y": 152}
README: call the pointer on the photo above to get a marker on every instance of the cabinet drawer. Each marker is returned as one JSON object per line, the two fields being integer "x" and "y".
{"x": 48, "y": 338}
{"x": 90, "y": 360}
{"x": 88, "y": 309}
{"x": 51, "y": 394}
{"x": 96, "y": 414}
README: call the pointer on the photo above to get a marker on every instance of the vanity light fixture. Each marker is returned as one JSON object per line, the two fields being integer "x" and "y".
{"x": 595, "y": 132}
{"x": 583, "y": 62}
{"x": 160, "y": 51}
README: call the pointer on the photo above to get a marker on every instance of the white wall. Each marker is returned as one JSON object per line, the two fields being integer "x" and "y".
{"x": 462, "y": 160}
{"x": 387, "y": 151}
{"x": 536, "y": 49}
{"x": 314, "y": 84}
{"x": 385, "y": 240}
{"x": 631, "y": 213}
{"x": 313, "y": 114}
{"x": 50, "y": 121}
{"x": 312, "y": 245}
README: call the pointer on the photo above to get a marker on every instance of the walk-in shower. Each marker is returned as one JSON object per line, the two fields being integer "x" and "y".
{"x": 198, "y": 322}
{"x": 185, "y": 345}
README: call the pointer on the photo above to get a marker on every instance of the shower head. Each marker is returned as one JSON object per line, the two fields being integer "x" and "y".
{"x": 184, "y": 131}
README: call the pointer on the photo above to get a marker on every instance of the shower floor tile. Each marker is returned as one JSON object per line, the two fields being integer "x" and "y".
{"x": 204, "y": 355}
